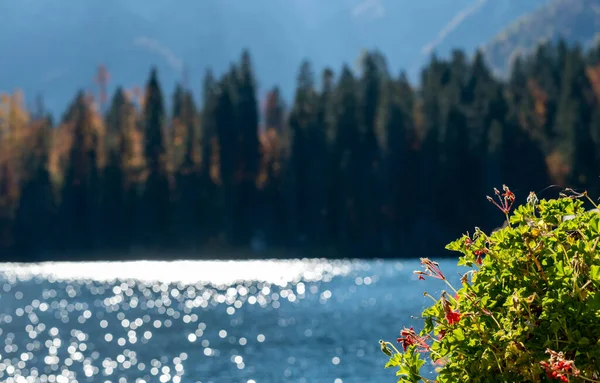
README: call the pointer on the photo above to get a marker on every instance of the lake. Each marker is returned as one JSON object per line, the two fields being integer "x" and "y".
{"x": 299, "y": 321}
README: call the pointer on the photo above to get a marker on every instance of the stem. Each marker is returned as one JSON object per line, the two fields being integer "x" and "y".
{"x": 537, "y": 262}
{"x": 589, "y": 199}
{"x": 588, "y": 379}
{"x": 452, "y": 287}
{"x": 393, "y": 347}
{"x": 427, "y": 295}
{"x": 507, "y": 219}
{"x": 595, "y": 244}
{"x": 563, "y": 248}
{"x": 497, "y": 361}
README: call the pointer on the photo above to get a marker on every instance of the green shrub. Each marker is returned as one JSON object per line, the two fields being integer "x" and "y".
{"x": 528, "y": 309}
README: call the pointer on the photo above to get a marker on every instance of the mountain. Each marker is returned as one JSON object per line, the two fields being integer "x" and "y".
{"x": 576, "y": 21}
{"x": 54, "y": 48}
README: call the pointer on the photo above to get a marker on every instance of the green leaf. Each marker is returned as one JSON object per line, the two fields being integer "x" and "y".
{"x": 595, "y": 273}
{"x": 594, "y": 225}
{"x": 458, "y": 334}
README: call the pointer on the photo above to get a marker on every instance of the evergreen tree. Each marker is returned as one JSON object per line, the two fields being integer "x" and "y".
{"x": 306, "y": 150}
{"x": 348, "y": 141}
{"x": 210, "y": 197}
{"x": 227, "y": 138}
{"x": 248, "y": 149}
{"x": 33, "y": 225}
{"x": 574, "y": 138}
{"x": 188, "y": 178}
{"x": 117, "y": 199}
{"x": 80, "y": 191}
{"x": 157, "y": 190}
{"x": 430, "y": 122}
{"x": 8, "y": 196}
{"x": 272, "y": 202}
{"x": 327, "y": 121}
{"x": 368, "y": 209}
{"x": 393, "y": 128}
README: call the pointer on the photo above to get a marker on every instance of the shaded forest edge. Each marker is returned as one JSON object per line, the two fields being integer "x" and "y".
{"x": 362, "y": 165}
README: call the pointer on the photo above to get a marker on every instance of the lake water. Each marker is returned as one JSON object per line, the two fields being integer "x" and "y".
{"x": 299, "y": 321}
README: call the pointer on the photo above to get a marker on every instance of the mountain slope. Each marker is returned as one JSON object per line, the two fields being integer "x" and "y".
{"x": 54, "y": 49}
{"x": 573, "y": 20}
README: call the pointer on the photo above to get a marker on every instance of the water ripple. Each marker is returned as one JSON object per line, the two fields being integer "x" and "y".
{"x": 198, "y": 321}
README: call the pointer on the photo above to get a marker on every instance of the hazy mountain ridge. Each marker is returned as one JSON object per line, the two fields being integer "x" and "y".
{"x": 54, "y": 49}
{"x": 576, "y": 21}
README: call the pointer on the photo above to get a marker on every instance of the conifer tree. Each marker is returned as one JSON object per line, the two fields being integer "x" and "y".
{"x": 248, "y": 149}
{"x": 210, "y": 196}
{"x": 156, "y": 198}
{"x": 80, "y": 190}
{"x": 304, "y": 133}
{"x": 348, "y": 140}
{"x": 33, "y": 225}
{"x": 118, "y": 193}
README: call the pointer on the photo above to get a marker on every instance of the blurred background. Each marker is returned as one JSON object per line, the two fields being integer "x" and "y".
{"x": 246, "y": 187}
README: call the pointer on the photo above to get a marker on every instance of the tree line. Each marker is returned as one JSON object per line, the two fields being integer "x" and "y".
{"x": 362, "y": 163}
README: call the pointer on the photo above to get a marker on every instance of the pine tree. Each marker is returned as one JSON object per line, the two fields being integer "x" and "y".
{"x": 348, "y": 140}
{"x": 80, "y": 190}
{"x": 430, "y": 112}
{"x": 33, "y": 226}
{"x": 303, "y": 155}
{"x": 118, "y": 194}
{"x": 327, "y": 121}
{"x": 572, "y": 129}
{"x": 8, "y": 196}
{"x": 156, "y": 198}
{"x": 368, "y": 209}
{"x": 248, "y": 149}
{"x": 272, "y": 202}
{"x": 393, "y": 132}
{"x": 188, "y": 178}
{"x": 227, "y": 141}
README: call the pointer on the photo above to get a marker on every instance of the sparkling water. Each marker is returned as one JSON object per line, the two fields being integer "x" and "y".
{"x": 206, "y": 321}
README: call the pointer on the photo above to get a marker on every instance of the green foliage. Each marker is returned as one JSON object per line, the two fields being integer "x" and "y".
{"x": 529, "y": 308}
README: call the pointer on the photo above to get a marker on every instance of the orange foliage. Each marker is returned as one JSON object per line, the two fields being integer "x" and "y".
{"x": 13, "y": 122}
{"x": 593, "y": 74}
{"x": 179, "y": 133}
{"x": 215, "y": 168}
{"x": 271, "y": 153}
{"x": 540, "y": 99}
{"x": 558, "y": 169}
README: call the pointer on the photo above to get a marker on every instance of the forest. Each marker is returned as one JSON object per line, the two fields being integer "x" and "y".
{"x": 360, "y": 164}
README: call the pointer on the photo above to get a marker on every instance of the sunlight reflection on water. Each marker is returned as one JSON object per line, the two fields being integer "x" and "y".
{"x": 202, "y": 321}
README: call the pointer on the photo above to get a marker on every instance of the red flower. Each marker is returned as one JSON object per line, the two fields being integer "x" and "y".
{"x": 468, "y": 242}
{"x": 557, "y": 367}
{"x": 453, "y": 317}
{"x": 409, "y": 337}
{"x": 506, "y": 199}
{"x": 479, "y": 253}
{"x": 442, "y": 334}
